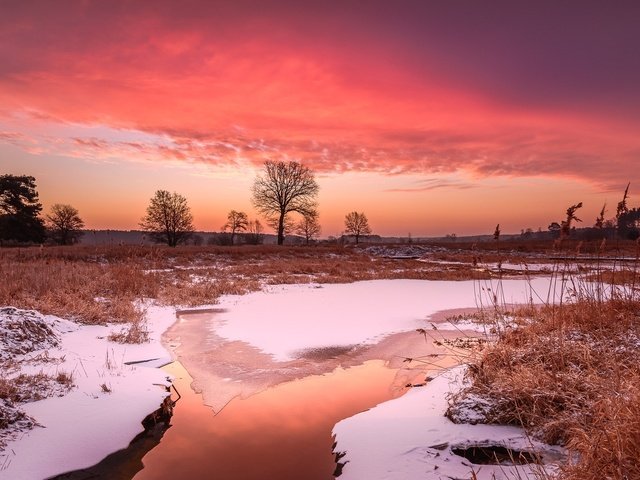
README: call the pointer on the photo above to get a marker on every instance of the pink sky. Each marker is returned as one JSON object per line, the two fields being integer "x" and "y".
{"x": 431, "y": 117}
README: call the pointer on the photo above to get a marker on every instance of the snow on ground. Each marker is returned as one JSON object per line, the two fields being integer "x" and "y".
{"x": 524, "y": 267}
{"x": 82, "y": 427}
{"x": 24, "y": 331}
{"x": 285, "y": 319}
{"x": 409, "y": 437}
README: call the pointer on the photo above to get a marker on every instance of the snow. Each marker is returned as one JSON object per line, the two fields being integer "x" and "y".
{"x": 286, "y": 319}
{"x": 88, "y": 423}
{"x": 23, "y": 331}
{"x": 409, "y": 437}
{"x": 466, "y": 325}
{"x": 82, "y": 427}
{"x": 525, "y": 267}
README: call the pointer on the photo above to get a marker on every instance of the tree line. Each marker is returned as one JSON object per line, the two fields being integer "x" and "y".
{"x": 624, "y": 225}
{"x": 20, "y": 220}
{"x": 282, "y": 190}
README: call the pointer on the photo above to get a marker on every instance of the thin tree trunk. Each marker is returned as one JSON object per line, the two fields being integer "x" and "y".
{"x": 281, "y": 229}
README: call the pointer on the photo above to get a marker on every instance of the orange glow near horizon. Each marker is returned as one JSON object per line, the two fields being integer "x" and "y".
{"x": 424, "y": 119}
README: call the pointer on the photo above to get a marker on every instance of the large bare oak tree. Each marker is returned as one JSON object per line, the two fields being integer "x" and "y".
{"x": 356, "y": 224}
{"x": 168, "y": 219}
{"x": 284, "y": 188}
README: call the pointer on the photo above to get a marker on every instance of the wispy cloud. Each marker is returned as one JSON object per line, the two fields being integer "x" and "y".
{"x": 434, "y": 184}
{"x": 235, "y": 85}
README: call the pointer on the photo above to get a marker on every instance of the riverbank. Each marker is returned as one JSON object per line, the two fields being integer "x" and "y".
{"x": 111, "y": 388}
{"x": 410, "y": 437}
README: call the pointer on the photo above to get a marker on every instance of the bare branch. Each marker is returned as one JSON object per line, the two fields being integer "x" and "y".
{"x": 356, "y": 224}
{"x": 168, "y": 218}
{"x": 286, "y": 187}
{"x": 236, "y": 222}
{"x": 309, "y": 227}
{"x": 64, "y": 224}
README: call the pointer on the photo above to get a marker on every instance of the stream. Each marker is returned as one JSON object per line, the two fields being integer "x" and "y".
{"x": 264, "y": 378}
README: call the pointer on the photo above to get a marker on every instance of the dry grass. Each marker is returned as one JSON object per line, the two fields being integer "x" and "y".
{"x": 134, "y": 332}
{"x": 95, "y": 285}
{"x": 31, "y": 387}
{"x": 570, "y": 375}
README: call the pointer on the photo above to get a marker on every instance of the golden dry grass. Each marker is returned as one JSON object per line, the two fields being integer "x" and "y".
{"x": 95, "y": 285}
{"x": 570, "y": 375}
{"x": 25, "y": 388}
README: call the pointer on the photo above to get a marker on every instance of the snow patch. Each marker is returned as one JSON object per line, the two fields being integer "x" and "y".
{"x": 285, "y": 319}
{"x": 26, "y": 331}
{"x": 409, "y": 437}
{"x": 80, "y": 428}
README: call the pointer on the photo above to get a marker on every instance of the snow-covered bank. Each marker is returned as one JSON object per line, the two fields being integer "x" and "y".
{"x": 112, "y": 394}
{"x": 409, "y": 437}
{"x": 286, "y": 319}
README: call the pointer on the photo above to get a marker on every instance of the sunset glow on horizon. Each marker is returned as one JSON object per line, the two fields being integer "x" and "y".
{"x": 430, "y": 117}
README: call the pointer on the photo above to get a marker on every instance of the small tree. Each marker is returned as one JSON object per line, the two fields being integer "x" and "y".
{"x": 629, "y": 224}
{"x": 565, "y": 229}
{"x": 309, "y": 227}
{"x": 256, "y": 230}
{"x": 285, "y": 187}
{"x": 356, "y": 224}
{"x": 168, "y": 219}
{"x": 64, "y": 224}
{"x": 236, "y": 222}
{"x": 622, "y": 204}
{"x": 622, "y": 211}
{"x": 600, "y": 218}
{"x": 20, "y": 210}
{"x": 554, "y": 229}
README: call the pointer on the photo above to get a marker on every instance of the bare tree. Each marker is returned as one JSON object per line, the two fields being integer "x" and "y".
{"x": 255, "y": 232}
{"x": 309, "y": 227}
{"x": 236, "y": 222}
{"x": 288, "y": 224}
{"x": 64, "y": 224}
{"x": 356, "y": 224}
{"x": 168, "y": 219}
{"x": 571, "y": 216}
{"x": 285, "y": 187}
{"x": 600, "y": 219}
{"x": 622, "y": 205}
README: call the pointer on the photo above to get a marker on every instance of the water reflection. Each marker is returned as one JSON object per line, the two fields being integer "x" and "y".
{"x": 283, "y": 432}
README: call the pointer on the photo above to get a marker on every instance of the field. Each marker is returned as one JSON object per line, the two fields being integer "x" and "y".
{"x": 567, "y": 372}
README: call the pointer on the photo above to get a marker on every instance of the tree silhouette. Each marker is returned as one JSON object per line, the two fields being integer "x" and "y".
{"x": 168, "y": 219}
{"x": 622, "y": 204}
{"x": 255, "y": 232}
{"x": 236, "y": 222}
{"x": 571, "y": 217}
{"x": 356, "y": 224}
{"x": 20, "y": 209}
{"x": 285, "y": 187}
{"x": 629, "y": 224}
{"x": 309, "y": 227}
{"x": 555, "y": 228}
{"x": 600, "y": 218}
{"x": 64, "y": 224}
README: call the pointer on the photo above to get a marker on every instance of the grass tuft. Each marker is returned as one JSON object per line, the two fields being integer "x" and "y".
{"x": 569, "y": 373}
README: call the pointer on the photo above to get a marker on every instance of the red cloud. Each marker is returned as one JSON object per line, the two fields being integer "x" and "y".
{"x": 340, "y": 91}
